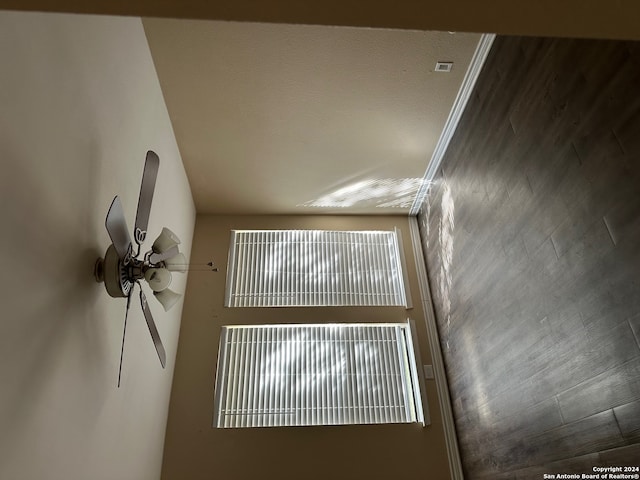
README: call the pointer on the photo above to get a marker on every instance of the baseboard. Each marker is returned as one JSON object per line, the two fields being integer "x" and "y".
{"x": 442, "y": 387}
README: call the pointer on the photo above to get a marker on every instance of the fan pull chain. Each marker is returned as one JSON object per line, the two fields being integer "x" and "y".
{"x": 197, "y": 267}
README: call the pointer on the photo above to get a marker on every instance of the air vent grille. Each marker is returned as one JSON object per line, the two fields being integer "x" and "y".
{"x": 444, "y": 66}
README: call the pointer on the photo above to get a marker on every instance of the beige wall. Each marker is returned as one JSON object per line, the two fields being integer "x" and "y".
{"x": 309, "y": 110}
{"x": 80, "y": 106}
{"x": 195, "y": 450}
{"x": 570, "y": 18}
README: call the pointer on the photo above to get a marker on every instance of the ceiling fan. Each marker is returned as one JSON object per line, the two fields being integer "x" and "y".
{"x": 121, "y": 269}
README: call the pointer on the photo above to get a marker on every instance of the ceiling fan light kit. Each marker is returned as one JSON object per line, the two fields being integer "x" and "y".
{"x": 166, "y": 240}
{"x": 177, "y": 263}
{"x": 167, "y": 298}
{"x": 158, "y": 278}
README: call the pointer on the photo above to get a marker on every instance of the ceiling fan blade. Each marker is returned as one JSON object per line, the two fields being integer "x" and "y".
{"x": 116, "y": 225}
{"x": 149, "y": 175}
{"x": 155, "y": 258}
{"x": 124, "y": 332}
{"x": 152, "y": 329}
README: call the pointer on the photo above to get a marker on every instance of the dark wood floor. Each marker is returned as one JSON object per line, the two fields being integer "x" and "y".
{"x": 532, "y": 238}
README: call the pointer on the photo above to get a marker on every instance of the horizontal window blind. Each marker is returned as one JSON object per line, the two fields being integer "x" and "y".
{"x": 278, "y": 268}
{"x": 295, "y": 375}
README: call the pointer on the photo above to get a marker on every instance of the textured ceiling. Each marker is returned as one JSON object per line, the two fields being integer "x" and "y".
{"x": 297, "y": 119}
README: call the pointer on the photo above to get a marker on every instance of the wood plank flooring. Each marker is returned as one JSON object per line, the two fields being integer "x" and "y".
{"x": 531, "y": 232}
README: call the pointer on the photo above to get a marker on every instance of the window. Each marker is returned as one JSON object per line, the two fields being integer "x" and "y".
{"x": 329, "y": 374}
{"x": 277, "y": 268}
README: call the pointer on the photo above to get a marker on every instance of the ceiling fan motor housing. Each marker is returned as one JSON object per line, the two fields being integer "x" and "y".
{"x": 115, "y": 274}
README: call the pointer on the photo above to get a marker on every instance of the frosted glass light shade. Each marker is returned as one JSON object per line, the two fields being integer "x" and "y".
{"x": 167, "y": 298}
{"x": 165, "y": 241}
{"x": 158, "y": 278}
{"x": 177, "y": 263}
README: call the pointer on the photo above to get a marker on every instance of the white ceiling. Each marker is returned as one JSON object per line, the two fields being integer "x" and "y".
{"x": 298, "y": 119}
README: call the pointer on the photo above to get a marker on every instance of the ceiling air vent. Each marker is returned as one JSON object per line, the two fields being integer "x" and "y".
{"x": 444, "y": 66}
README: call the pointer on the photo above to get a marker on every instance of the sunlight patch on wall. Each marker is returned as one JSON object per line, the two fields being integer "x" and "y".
{"x": 383, "y": 193}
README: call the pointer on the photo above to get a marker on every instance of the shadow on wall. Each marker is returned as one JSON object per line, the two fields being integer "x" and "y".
{"x": 49, "y": 244}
